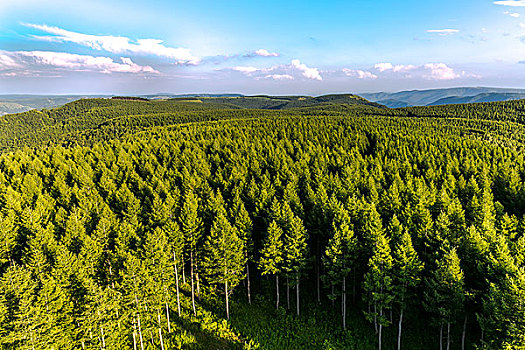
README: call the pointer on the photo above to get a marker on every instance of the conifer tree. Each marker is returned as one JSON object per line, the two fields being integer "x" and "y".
{"x": 224, "y": 261}
{"x": 272, "y": 256}
{"x": 243, "y": 224}
{"x": 192, "y": 228}
{"x": 445, "y": 293}
{"x": 407, "y": 269}
{"x": 378, "y": 285}
{"x": 295, "y": 248}
{"x": 340, "y": 253}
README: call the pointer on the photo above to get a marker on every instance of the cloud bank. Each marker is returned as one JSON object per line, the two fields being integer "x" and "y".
{"x": 514, "y": 3}
{"x": 117, "y": 44}
{"x": 25, "y": 61}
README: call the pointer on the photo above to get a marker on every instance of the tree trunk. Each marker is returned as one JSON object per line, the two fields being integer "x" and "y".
{"x": 183, "y": 273}
{"x": 448, "y": 335}
{"x": 197, "y": 279}
{"x": 168, "y": 316}
{"x": 227, "y": 302}
{"x": 192, "y": 287}
{"x": 464, "y": 333}
{"x": 297, "y": 292}
{"x": 134, "y": 335}
{"x": 140, "y": 333}
{"x": 441, "y": 337}
{"x": 248, "y": 284}
{"x": 277, "y": 291}
{"x": 399, "y": 327}
{"x": 380, "y": 329}
{"x": 160, "y": 331}
{"x": 177, "y": 285}
{"x": 343, "y": 302}
{"x": 287, "y": 293}
{"x": 102, "y": 336}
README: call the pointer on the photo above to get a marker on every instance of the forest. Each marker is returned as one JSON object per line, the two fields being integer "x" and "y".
{"x": 182, "y": 225}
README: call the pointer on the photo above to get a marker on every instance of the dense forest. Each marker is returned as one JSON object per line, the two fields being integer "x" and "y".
{"x": 169, "y": 225}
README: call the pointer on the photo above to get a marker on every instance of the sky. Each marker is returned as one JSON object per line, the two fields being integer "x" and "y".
{"x": 258, "y": 47}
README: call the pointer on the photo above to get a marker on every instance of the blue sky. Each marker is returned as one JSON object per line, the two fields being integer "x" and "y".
{"x": 252, "y": 47}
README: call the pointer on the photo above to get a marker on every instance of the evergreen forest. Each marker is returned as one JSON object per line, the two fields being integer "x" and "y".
{"x": 243, "y": 223}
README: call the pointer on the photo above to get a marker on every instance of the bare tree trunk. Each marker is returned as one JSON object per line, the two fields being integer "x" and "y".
{"x": 248, "y": 284}
{"x": 448, "y": 335}
{"x": 343, "y": 302}
{"x": 168, "y": 316}
{"x": 277, "y": 291}
{"x": 197, "y": 279}
{"x": 464, "y": 332}
{"x": 102, "y": 336}
{"x": 227, "y": 302}
{"x": 441, "y": 337}
{"x": 192, "y": 284}
{"x": 177, "y": 285}
{"x": 160, "y": 331}
{"x": 380, "y": 328}
{"x": 287, "y": 293}
{"x": 140, "y": 333}
{"x": 134, "y": 335}
{"x": 399, "y": 327}
{"x": 183, "y": 271}
{"x": 297, "y": 292}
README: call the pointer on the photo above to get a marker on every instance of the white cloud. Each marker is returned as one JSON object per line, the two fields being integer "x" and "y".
{"x": 361, "y": 74}
{"x": 434, "y": 71}
{"x": 400, "y": 68}
{"x": 522, "y": 25}
{"x": 7, "y": 62}
{"x": 61, "y": 60}
{"x": 117, "y": 44}
{"x": 279, "y": 77}
{"x": 310, "y": 73}
{"x": 443, "y": 31}
{"x": 440, "y": 71}
{"x": 266, "y": 53}
{"x": 383, "y": 66}
{"x": 514, "y": 3}
{"x": 246, "y": 70}
{"x": 512, "y": 14}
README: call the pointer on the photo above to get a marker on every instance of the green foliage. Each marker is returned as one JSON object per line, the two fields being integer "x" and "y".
{"x": 91, "y": 236}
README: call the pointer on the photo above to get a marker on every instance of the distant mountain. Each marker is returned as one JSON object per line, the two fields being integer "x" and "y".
{"x": 22, "y": 103}
{"x": 284, "y": 102}
{"x": 432, "y": 96}
{"x": 485, "y": 97}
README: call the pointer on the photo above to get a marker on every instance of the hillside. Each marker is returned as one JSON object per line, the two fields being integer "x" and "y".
{"x": 210, "y": 225}
{"x": 444, "y": 96}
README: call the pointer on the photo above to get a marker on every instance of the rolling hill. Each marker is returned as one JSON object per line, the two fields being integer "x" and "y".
{"x": 444, "y": 96}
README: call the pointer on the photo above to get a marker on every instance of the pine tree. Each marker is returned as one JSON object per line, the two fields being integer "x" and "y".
{"x": 445, "y": 293}
{"x": 192, "y": 228}
{"x": 295, "y": 248}
{"x": 272, "y": 255}
{"x": 378, "y": 285}
{"x": 407, "y": 269}
{"x": 340, "y": 253}
{"x": 224, "y": 261}
{"x": 243, "y": 224}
